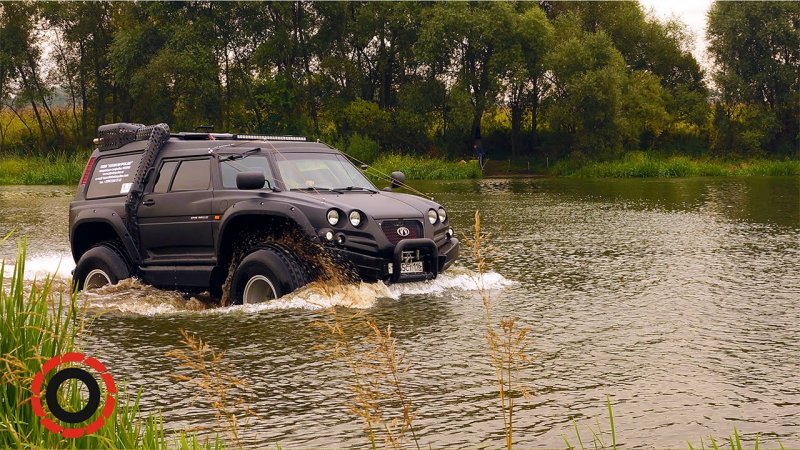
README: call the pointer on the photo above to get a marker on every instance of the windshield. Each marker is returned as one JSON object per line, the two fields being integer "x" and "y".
{"x": 320, "y": 171}
{"x": 247, "y": 163}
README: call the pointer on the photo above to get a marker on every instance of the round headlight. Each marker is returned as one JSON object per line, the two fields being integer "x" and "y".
{"x": 442, "y": 215}
{"x": 355, "y": 218}
{"x": 333, "y": 217}
{"x": 433, "y": 216}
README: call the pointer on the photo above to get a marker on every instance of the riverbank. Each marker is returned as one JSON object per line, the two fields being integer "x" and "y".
{"x": 66, "y": 170}
{"x": 52, "y": 170}
{"x": 640, "y": 165}
{"x": 426, "y": 168}
{"x": 63, "y": 169}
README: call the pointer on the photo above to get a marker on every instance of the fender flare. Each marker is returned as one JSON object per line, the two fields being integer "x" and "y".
{"x": 260, "y": 207}
{"x": 110, "y": 217}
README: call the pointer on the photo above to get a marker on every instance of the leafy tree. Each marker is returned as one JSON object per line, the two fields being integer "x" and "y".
{"x": 588, "y": 74}
{"x": 756, "y": 50}
{"x": 464, "y": 40}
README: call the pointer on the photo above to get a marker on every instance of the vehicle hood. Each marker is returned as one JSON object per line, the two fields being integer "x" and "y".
{"x": 382, "y": 205}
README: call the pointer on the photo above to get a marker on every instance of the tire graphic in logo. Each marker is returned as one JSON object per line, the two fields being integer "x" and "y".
{"x": 83, "y": 376}
{"x": 403, "y": 231}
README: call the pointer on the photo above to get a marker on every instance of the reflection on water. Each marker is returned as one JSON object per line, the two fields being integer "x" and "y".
{"x": 680, "y": 299}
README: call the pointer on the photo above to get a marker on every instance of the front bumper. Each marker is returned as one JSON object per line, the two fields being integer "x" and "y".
{"x": 435, "y": 261}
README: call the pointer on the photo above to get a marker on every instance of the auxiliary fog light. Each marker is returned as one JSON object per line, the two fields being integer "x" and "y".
{"x": 340, "y": 239}
{"x": 449, "y": 233}
{"x": 329, "y": 235}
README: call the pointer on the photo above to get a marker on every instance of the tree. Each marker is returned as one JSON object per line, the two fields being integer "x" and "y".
{"x": 756, "y": 51}
{"x": 464, "y": 40}
{"x": 531, "y": 37}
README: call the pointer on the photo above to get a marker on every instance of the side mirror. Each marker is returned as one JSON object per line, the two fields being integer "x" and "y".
{"x": 398, "y": 178}
{"x": 364, "y": 167}
{"x": 250, "y": 180}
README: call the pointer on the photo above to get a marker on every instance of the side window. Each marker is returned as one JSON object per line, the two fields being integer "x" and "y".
{"x": 230, "y": 168}
{"x": 164, "y": 177}
{"x": 192, "y": 175}
{"x": 113, "y": 176}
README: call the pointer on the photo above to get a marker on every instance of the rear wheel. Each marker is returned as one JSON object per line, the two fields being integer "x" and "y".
{"x": 268, "y": 272}
{"x": 101, "y": 265}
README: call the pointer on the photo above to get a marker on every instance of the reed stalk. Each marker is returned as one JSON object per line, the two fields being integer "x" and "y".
{"x": 507, "y": 342}
{"x": 204, "y": 368}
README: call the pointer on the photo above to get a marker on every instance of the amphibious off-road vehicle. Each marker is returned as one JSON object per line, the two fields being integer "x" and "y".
{"x": 194, "y": 211}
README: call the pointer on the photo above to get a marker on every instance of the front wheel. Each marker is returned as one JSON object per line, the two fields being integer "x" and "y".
{"x": 101, "y": 265}
{"x": 267, "y": 273}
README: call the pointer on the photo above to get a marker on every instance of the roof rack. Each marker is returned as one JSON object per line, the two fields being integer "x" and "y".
{"x": 115, "y": 135}
{"x": 196, "y": 136}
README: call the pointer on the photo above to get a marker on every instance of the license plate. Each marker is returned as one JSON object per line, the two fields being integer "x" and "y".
{"x": 411, "y": 267}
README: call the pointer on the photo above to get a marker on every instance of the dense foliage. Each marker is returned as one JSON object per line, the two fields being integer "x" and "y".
{"x": 591, "y": 80}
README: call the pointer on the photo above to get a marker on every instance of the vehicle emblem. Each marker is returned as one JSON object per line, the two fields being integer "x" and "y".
{"x": 403, "y": 231}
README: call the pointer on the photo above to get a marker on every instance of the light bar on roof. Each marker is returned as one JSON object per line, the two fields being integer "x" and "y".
{"x": 265, "y": 137}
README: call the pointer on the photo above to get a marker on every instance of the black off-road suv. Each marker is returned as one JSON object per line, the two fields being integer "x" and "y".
{"x": 196, "y": 211}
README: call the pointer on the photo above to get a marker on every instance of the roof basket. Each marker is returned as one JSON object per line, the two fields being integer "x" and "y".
{"x": 115, "y": 135}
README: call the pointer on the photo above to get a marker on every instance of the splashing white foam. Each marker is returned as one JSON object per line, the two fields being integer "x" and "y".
{"x": 133, "y": 297}
{"x": 38, "y": 267}
{"x": 455, "y": 279}
{"x": 365, "y": 295}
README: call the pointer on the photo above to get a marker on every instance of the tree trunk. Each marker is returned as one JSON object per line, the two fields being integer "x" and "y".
{"x": 516, "y": 126}
{"x": 534, "y": 144}
{"x": 84, "y": 100}
{"x": 38, "y": 116}
{"x": 39, "y": 87}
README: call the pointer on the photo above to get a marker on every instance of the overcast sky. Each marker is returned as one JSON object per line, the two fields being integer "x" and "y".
{"x": 690, "y": 12}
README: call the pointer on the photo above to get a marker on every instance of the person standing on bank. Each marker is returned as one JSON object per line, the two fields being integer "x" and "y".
{"x": 481, "y": 154}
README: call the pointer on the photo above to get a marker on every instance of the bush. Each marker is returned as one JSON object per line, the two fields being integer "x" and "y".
{"x": 363, "y": 148}
{"x": 423, "y": 168}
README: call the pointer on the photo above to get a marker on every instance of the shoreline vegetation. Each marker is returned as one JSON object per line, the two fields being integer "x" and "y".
{"x": 66, "y": 169}
{"x": 565, "y": 83}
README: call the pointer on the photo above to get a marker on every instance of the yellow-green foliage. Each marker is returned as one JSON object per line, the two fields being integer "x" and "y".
{"x": 56, "y": 169}
{"x": 425, "y": 168}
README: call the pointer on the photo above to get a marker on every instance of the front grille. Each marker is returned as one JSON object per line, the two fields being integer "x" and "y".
{"x": 390, "y": 228}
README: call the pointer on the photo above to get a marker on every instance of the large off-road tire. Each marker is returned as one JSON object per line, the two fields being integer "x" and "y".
{"x": 101, "y": 265}
{"x": 268, "y": 272}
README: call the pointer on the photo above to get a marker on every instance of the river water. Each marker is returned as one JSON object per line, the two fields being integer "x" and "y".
{"x": 678, "y": 300}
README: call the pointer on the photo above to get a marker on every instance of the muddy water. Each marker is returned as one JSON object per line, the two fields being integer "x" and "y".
{"x": 679, "y": 299}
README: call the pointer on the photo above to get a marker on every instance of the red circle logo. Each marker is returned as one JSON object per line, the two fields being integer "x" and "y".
{"x": 89, "y": 381}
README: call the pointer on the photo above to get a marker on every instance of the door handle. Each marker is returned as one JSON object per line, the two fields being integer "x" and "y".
{"x": 149, "y": 202}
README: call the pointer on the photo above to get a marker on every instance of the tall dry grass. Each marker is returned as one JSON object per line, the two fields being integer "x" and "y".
{"x": 507, "y": 342}
{"x": 203, "y": 369}
{"x": 377, "y": 387}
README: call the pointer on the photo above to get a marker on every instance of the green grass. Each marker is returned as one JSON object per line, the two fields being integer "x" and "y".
{"x": 56, "y": 169}
{"x": 641, "y": 165}
{"x": 41, "y": 321}
{"x": 425, "y": 168}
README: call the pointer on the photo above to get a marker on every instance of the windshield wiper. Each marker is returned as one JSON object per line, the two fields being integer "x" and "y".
{"x": 318, "y": 189}
{"x": 359, "y": 188}
{"x": 242, "y": 155}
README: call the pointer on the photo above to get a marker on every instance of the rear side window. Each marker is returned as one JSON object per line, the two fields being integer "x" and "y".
{"x": 192, "y": 175}
{"x": 113, "y": 176}
{"x": 165, "y": 176}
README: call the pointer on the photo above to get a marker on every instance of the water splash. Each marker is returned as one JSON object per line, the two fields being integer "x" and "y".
{"x": 131, "y": 296}
{"x": 38, "y": 267}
